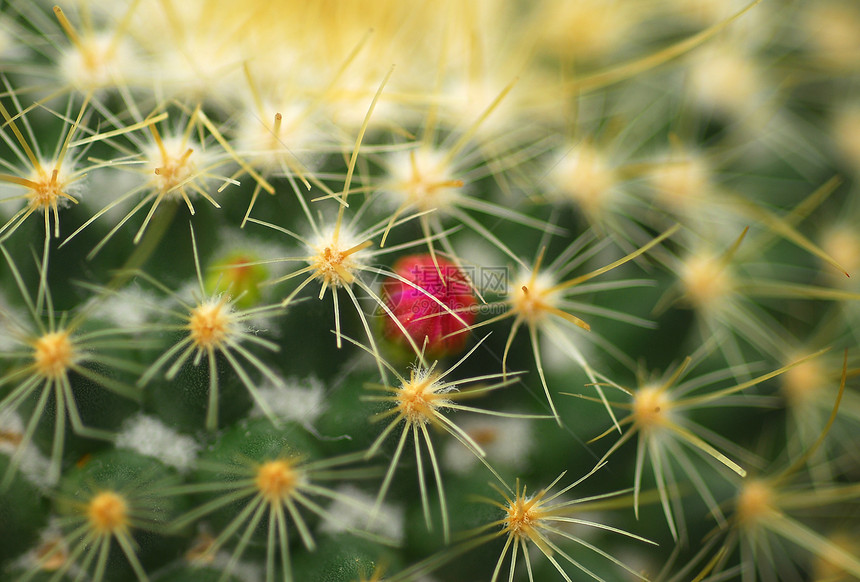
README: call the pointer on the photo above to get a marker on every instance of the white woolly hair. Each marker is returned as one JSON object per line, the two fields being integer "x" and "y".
{"x": 35, "y": 467}
{"x": 302, "y": 401}
{"x": 388, "y": 523}
{"x": 149, "y": 436}
{"x": 511, "y": 446}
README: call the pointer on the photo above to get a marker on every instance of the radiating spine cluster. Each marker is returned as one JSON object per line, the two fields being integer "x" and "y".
{"x": 252, "y": 250}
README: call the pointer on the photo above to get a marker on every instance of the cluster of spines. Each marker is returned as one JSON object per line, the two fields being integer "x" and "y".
{"x": 416, "y": 193}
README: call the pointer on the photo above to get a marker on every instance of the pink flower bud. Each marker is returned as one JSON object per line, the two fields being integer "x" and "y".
{"x": 436, "y": 307}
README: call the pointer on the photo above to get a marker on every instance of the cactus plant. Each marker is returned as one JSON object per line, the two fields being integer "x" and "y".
{"x": 593, "y": 260}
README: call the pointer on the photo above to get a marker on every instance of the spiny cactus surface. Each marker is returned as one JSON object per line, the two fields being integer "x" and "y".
{"x": 373, "y": 290}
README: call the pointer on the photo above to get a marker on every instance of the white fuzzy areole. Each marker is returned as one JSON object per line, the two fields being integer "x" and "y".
{"x": 421, "y": 178}
{"x": 150, "y": 437}
{"x": 727, "y": 79}
{"x": 505, "y": 440}
{"x": 35, "y": 467}
{"x": 389, "y": 520}
{"x": 297, "y": 400}
{"x": 102, "y": 63}
{"x": 168, "y": 174}
{"x": 585, "y": 176}
{"x": 258, "y": 141}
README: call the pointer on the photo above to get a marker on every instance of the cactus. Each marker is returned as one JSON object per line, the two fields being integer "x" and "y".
{"x": 421, "y": 291}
